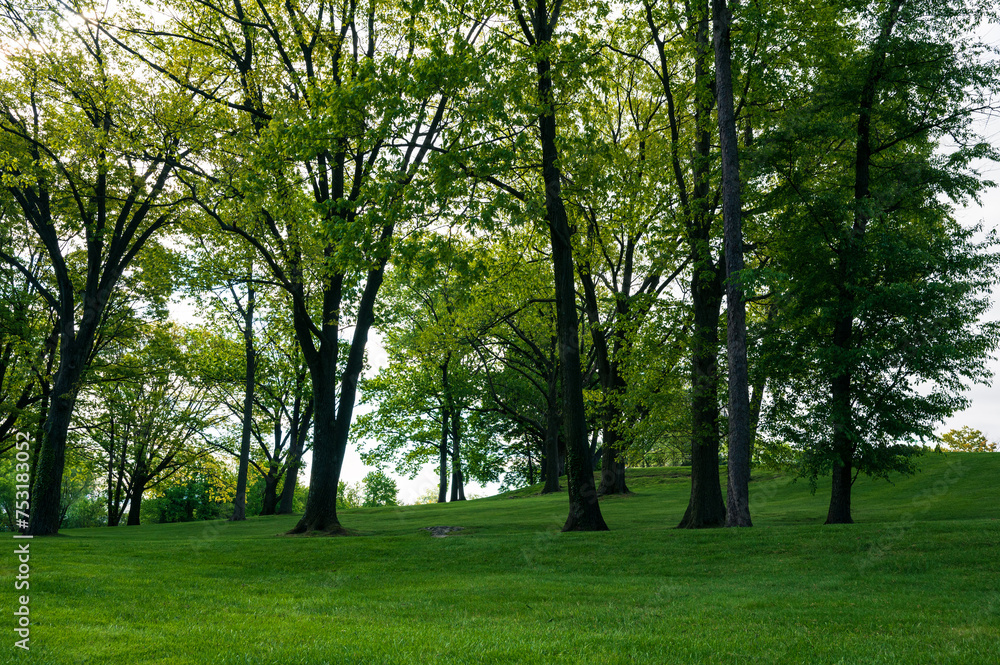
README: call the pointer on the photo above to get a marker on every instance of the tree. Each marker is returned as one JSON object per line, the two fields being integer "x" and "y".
{"x": 689, "y": 105}
{"x": 430, "y": 396}
{"x": 143, "y": 420}
{"x": 223, "y": 278}
{"x": 538, "y": 24}
{"x": 88, "y": 156}
{"x": 379, "y": 490}
{"x": 966, "y": 439}
{"x": 738, "y": 466}
{"x": 336, "y": 109}
{"x": 631, "y": 254}
{"x": 879, "y": 289}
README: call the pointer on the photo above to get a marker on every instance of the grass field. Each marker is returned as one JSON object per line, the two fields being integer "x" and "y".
{"x": 916, "y": 580}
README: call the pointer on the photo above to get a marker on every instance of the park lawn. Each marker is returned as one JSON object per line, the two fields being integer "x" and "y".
{"x": 916, "y": 580}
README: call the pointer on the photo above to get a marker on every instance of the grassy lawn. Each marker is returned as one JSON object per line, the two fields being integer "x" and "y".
{"x": 916, "y": 580}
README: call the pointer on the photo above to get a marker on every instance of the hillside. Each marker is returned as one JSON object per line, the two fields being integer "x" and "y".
{"x": 915, "y": 581}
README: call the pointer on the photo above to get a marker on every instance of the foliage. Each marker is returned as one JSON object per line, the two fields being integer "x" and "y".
{"x": 966, "y": 439}
{"x": 379, "y": 490}
{"x": 349, "y": 496}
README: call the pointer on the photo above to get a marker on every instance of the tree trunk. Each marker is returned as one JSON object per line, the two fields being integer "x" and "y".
{"x": 270, "y": 502}
{"x": 551, "y": 459}
{"x": 333, "y": 417}
{"x": 249, "y": 383}
{"x": 705, "y": 506}
{"x": 135, "y": 500}
{"x": 850, "y": 256}
{"x": 300, "y": 429}
{"x": 612, "y": 462}
{"x": 321, "y": 505}
{"x": 738, "y": 494}
{"x": 457, "y": 479}
{"x": 46, "y": 491}
{"x": 840, "y": 496}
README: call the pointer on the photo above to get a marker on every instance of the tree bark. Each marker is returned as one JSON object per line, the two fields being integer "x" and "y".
{"x": 457, "y": 480}
{"x": 321, "y": 505}
{"x": 135, "y": 500}
{"x": 840, "y": 495}
{"x": 249, "y": 384}
{"x": 738, "y": 494}
{"x": 551, "y": 460}
{"x": 46, "y": 490}
{"x": 705, "y": 505}
{"x": 333, "y": 416}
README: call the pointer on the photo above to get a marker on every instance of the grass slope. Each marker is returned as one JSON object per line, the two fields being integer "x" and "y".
{"x": 915, "y": 581}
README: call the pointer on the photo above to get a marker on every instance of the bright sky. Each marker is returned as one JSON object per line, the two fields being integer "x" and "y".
{"x": 984, "y": 412}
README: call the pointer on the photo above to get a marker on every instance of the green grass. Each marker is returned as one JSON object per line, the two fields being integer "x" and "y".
{"x": 917, "y": 580}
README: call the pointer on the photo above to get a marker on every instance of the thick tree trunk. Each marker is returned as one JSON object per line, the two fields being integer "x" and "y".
{"x": 46, "y": 490}
{"x": 135, "y": 501}
{"x": 738, "y": 494}
{"x": 321, "y": 505}
{"x": 249, "y": 383}
{"x": 270, "y": 498}
{"x": 705, "y": 506}
{"x": 584, "y": 508}
{"x": 333, "y": 417}
{"x": 840, "y": 496}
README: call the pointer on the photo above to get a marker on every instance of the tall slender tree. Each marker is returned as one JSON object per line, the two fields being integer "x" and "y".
{"x": 738, "y": 467}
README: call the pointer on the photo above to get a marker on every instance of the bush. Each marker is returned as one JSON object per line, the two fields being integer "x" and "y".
{"x": 186, "y": 503}
{"x": 86, "y": 512}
